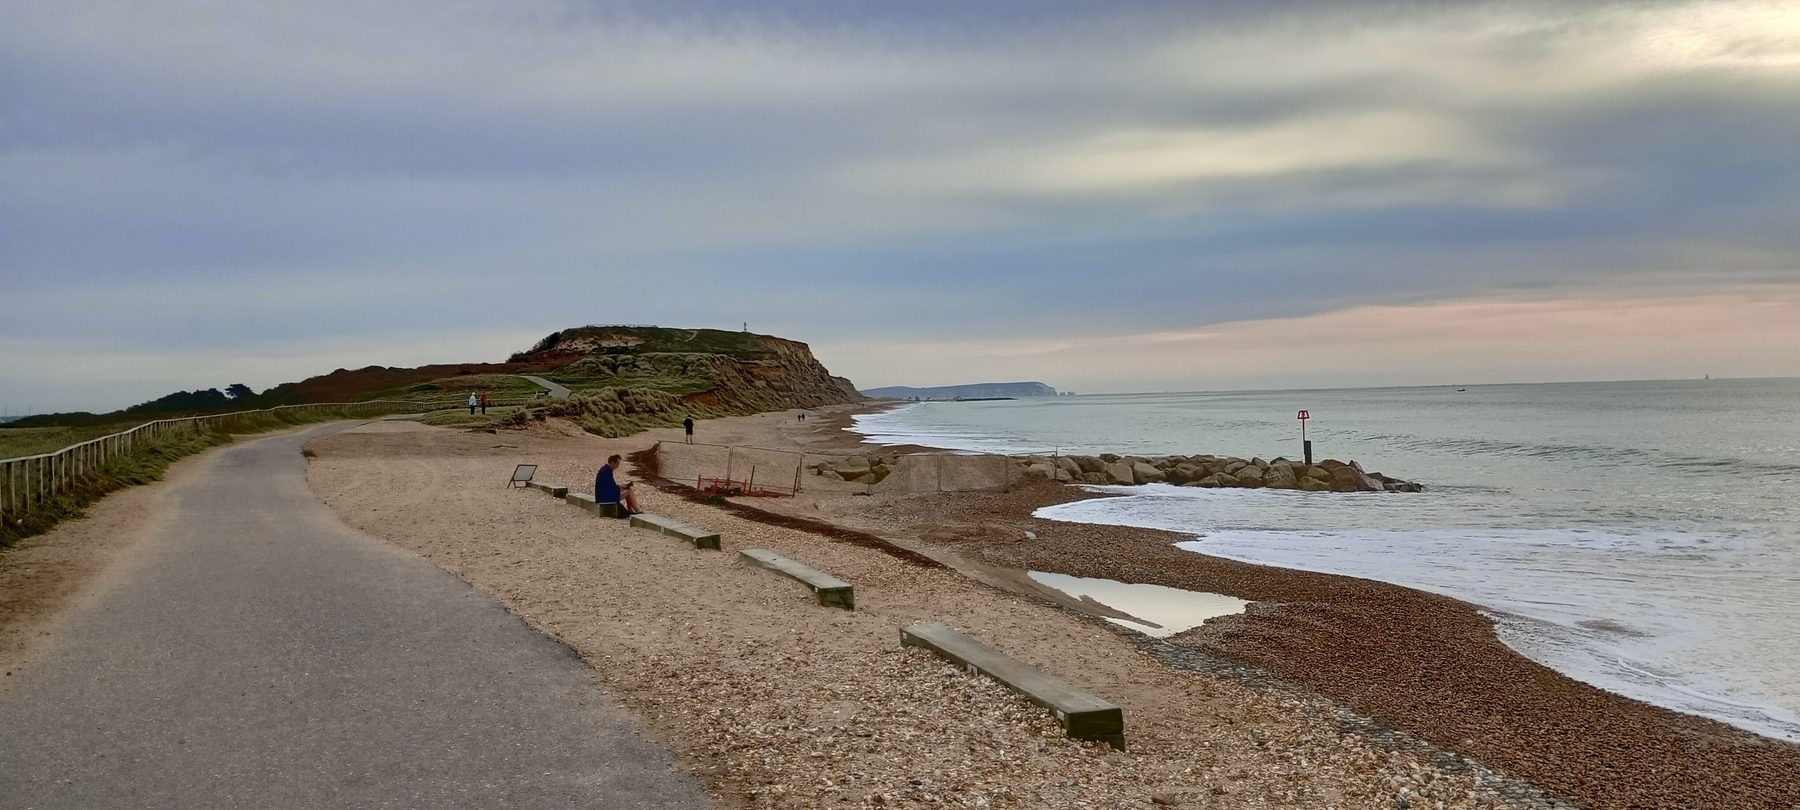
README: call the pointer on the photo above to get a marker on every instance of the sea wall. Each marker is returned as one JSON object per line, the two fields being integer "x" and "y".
{"x": 1329, "y": 475}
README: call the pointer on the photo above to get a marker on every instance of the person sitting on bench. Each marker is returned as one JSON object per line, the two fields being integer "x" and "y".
{"x": 608, "y": 490}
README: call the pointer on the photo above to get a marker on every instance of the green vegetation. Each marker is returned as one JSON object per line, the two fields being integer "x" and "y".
{"x": 615, "y": 412}
{"x": 453, "y": 392}
{"x": 148, "y": 462}
{"x": 30, "y": 441}
{"x": 654, "y": 339}
{"x": 460, "y": 417}
{"x": 671, "y": 373}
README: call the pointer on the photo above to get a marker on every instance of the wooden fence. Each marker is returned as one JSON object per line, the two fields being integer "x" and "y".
{"x": 27, "y": 481}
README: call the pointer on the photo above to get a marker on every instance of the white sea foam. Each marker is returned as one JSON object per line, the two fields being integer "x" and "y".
{"x": 1627, "y": 612}
{"x": 1642, "y": 537}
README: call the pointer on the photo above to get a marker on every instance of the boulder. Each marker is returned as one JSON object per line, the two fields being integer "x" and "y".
{"x": 1109, "y": 458}
{"x": 1250, "y": 471}
{"x": 1068, "y": 465}
{"x": 1346, "y": 479}
{"x": 1040, "y": 470}
{"x": 1259, "y": 463}
{"x": 1249, "y": 481}
{"x": 1231, "y": 467}
{"x": 1143, "y": 472}
{"x": 1179, "y": 475}
{"x": 1317, "y": 474}
{"x": 1095, "y": 478}
{"x": 1280, "y": 477}
{"x": 1089, "y": 464}
{"x": 1313, "y": 485}
{"x": 852, "y": 466}
{"x": 1119, "y": 473}
{"x": 1216, "y": 480}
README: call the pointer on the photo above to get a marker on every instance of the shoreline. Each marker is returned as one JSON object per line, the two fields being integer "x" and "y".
{"x": 1428, "y": 664}
{"x": 772, "y": 701}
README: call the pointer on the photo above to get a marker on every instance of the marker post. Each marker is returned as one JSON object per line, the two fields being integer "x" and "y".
{"x": 1305, "y": 443}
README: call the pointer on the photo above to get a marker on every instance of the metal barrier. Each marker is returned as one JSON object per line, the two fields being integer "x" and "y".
{"x": 27, "y": 481}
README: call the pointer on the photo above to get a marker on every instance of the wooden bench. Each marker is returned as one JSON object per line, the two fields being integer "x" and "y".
{"x": 610, "y": 510}
{"x": 1082, "y": 715}
{"x": 832, "y": 592}
{"x": 701, "y": 538}
{"x": 555, "y": 491}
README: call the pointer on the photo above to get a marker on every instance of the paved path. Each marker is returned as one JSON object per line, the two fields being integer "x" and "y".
{"x": 556, "y": 391}
{"x": 255, "y": 652}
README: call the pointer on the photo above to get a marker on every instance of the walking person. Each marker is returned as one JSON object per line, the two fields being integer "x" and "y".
{"x": 687, "y": 424}
{"x": 607, "y": 489}
{"x": 472, "y": 403}
{"x": 484, "y": 403}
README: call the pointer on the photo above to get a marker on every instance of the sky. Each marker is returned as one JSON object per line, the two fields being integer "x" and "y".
{"x": 1121, "y": 196}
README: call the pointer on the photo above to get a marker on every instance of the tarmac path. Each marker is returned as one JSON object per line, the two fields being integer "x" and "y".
{"x": 253, "y": 651}
{"x": 556, "y": 391}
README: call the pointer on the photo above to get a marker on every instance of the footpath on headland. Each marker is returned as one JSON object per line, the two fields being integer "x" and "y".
{"x": 253, "y": 651}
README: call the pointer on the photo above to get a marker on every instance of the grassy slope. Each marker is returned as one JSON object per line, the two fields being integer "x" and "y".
{"x": 656, "y": 339}
{"x": 29, "y": 441}
{"x": 147, "y": 464}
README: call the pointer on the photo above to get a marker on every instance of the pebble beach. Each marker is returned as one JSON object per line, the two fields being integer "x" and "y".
{"x": 1326, "y": 692}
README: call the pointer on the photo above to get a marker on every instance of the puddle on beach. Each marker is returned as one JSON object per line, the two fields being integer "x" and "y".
{"x": 1161, "y": 611}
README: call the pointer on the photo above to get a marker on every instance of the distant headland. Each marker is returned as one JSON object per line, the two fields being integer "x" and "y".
{"x": 1003, "y": 390}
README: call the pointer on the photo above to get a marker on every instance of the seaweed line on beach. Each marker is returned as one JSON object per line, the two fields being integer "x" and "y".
{"x": 646, "y": 468}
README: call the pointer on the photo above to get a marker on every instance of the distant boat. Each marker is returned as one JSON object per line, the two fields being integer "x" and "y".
{"x": 1460, "y": 390}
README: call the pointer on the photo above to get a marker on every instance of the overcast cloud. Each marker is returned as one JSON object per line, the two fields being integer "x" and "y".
{"x": 1102, "y": 196}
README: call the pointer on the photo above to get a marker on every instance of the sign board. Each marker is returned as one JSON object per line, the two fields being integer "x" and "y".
{"x": 1304, "y": 416}
{"x": 522, "y": 474}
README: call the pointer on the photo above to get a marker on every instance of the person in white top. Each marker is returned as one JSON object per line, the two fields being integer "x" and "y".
{"x": 472, "y": 403}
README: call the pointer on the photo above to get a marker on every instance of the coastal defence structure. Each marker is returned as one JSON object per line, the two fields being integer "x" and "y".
{"x": 739, "y": 469}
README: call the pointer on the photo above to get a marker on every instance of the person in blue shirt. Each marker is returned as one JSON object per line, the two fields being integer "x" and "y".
{"x": 608, "y": 490}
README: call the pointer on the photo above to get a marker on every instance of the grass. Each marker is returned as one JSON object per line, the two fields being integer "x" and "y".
{"x": 460, "y": 417}
{"x": 453, "y": 392}
{"x": 677, "y": 373}
{"x": 653, "y": 339}
{"x": 148, "y": 463}
{"x": 30, "y": 441}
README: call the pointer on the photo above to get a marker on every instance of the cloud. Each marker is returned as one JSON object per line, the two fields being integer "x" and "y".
{"x": 101, "y": 376}
{"x": 1745, "y": 333}
{"x": 190, "y": 174}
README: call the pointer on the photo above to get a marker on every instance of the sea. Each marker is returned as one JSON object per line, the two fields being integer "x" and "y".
{"x": 1642, "y": 537}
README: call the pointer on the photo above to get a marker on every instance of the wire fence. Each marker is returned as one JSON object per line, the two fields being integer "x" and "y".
{"x": 26, "y": 482}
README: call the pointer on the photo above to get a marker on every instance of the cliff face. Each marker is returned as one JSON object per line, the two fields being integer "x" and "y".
{"x": 628, "y": 378}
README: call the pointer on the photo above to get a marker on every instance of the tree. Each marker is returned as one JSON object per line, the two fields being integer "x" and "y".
{"x": 239, "y": 391}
